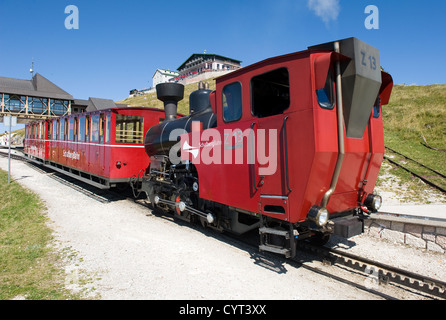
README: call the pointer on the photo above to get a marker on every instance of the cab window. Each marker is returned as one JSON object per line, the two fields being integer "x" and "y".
{"x": 377, "y": 108}
{"x": 325, "y": 96}
{"x": 270, "y": 93}
{"x": 232, "y": 102}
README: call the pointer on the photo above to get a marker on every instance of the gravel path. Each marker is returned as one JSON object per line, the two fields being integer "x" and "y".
{"x": 124, "y": 252}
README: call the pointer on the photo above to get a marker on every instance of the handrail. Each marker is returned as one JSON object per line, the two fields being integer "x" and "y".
{"x": 286, "y": 154}
{"x": 253, "y": 165}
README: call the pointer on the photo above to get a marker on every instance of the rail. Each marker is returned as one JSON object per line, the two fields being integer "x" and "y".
{"x": 383, "y": 273}
{"x": 435, "y": 185}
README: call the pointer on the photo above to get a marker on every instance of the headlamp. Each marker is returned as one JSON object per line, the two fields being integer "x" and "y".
{"x": 318, "y": 215}
{"x": 373, "y": 202}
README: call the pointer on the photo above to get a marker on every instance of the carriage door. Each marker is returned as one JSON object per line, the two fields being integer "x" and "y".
{"x": 102, "y": 134}
{"x": 270, "y": 94}
{"x": 96, "y": 148}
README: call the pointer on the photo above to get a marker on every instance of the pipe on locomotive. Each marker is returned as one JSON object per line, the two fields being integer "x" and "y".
{"x": 341, "y": 142}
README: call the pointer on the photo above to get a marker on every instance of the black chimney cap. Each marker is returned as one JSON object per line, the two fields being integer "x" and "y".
{"x": 170, "y": 92}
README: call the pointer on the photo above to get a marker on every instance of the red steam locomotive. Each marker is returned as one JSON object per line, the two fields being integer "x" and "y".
{"x": 291, "y": 146}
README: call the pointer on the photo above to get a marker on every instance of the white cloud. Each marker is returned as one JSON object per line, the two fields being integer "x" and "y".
{"x": 327, "y": 10}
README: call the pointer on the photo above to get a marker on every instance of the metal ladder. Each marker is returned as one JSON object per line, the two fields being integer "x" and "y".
{"x": 289, "y": 250}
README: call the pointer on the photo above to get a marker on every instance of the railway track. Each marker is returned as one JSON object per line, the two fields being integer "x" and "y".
{"x": 379, "y": 274}
{"x": 379, "y": 279}
{"x": 384, "y": 281}
{"x": 90, "y": 191}
{"x": 428, "y": 175}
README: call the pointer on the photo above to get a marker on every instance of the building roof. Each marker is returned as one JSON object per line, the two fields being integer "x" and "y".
{"x": 166, "y": 72}
{"x": 207, "y": 55}
{"x": 38, "y": 86}
{"x": 96, "y": 104}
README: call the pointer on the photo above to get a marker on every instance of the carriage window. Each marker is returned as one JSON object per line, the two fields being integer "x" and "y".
{"x": 71, "y": 129}
{"x": 326, "y": 96}
{"x": 101, "y": 128}
{"x": 129, "y": 129}
{"x": 95, "y": 129}
{"x": 55, "y": 130}
{"x": 108, "y": 128}
{"x": 87, "y": 128}
{"x": 50, "y": 130}
{"x": 76, "y": 129}
{"x": 65, "y": 136}
{"x": 232, "y": 102}
{"x": 61, "y": 129}
{"x": 82, "y": 129}
{"x": 270, "y": 93}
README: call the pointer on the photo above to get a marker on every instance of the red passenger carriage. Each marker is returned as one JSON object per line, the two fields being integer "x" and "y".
{"x": 102, "y": 148}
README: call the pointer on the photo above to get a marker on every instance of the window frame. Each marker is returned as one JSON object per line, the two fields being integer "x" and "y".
{"x": 332, "y": 98}
{"x": 252, "y": 93}
{"x": 122, "y": 135}
{"x": 108, "y": 119}
{"x": 377, "y": 108}
{"x": 70, "y": 131}
{"x": 94, "y": 132}
{"x": 61, "y": 131}
{"x": 241, "y": 102}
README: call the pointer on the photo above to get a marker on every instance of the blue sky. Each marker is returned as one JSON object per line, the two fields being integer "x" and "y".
{"x": 120, "y": 44}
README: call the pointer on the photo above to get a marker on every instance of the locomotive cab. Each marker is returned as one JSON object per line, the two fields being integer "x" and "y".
{"x": 291, "y": 145}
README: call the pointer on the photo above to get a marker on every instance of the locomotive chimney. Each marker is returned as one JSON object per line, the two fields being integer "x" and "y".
{"x": 199, "y": 100}
{"x": 170, "y": 94}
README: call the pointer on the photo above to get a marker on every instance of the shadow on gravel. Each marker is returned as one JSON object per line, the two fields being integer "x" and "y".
{"x": 274, "y": 265}
{"x": 337, "y": 242}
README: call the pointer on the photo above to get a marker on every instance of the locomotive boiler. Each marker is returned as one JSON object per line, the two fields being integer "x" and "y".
{"x": 291, "y": 146}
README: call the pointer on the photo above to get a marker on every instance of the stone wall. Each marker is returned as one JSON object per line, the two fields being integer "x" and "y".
{"x": 419, "y": 233}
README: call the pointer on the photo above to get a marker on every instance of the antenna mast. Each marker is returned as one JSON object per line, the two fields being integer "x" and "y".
{"x": 32, "y": 69}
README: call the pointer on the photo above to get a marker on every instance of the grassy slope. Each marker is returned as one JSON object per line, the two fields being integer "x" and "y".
{"x": 29, "y": 267}
{"x": 414, "y": 111}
